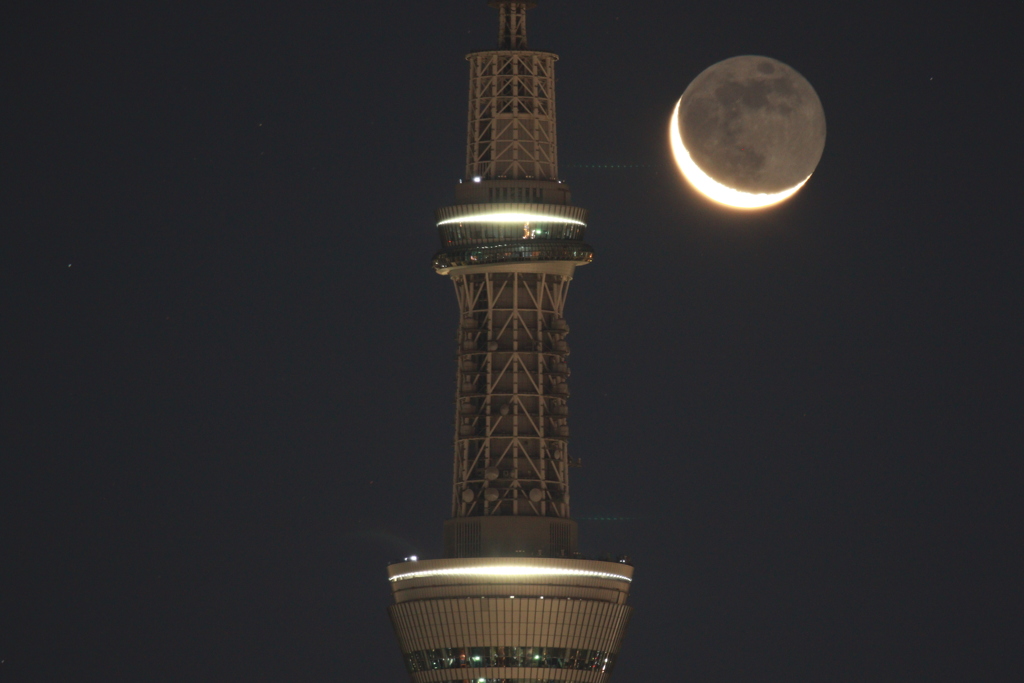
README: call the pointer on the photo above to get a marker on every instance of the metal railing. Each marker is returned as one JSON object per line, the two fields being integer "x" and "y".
{"x": 524, "y": 251}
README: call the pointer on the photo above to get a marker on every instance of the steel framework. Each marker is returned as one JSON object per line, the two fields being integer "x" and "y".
{"x": 512, "y": 23}
{"x": 511, "y": 244}
{"x": 511, "y": 455}
{"x": 511, "y": 133}
{"x": 512, "y": 600}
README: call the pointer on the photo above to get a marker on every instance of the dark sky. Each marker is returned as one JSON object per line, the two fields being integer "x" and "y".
{"x": 228, "y": 368}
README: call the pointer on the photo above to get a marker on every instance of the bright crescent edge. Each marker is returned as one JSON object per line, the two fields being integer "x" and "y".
{"x": 711, "y": 188}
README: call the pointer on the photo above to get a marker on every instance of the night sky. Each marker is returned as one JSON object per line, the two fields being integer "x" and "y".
{"x": 227, "y": 380}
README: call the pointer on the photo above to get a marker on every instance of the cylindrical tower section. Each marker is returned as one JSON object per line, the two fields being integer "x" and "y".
{"x": 511, "y": 132}
{"x": 510, "y": 445}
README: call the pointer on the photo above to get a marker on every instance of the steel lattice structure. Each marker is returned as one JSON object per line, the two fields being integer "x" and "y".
{"x": 512, "y": 116}
{"x": 512, "y": 391}
{"x": 512, "y": 600}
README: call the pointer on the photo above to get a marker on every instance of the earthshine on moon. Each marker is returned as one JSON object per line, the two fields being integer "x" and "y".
{"x": 748, "y": 132}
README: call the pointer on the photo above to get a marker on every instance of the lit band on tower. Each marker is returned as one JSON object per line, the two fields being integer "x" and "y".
{"x": 513, "y": 601}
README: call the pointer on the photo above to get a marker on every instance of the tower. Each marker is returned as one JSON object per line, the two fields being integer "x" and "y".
{"x": 512, "y": 601}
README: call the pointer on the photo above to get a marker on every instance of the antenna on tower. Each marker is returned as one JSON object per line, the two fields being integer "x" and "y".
{"x": 512, "y": 23}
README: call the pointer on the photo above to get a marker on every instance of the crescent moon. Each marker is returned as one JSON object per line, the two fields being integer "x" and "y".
{"x": 711, "y": 188}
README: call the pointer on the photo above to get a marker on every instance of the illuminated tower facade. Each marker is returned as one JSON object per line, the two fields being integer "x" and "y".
{"x": 512, "y": 600}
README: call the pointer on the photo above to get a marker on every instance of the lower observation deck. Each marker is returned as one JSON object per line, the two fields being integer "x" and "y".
{"x": 510, "y": 618}
{"x": 521, "y": 251}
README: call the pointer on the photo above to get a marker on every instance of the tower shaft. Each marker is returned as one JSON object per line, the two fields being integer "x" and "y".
{"x": 512, "y": 395}
{"x": 511, "y": 441}
{"x": 512, "y": 601}
{"x": 511, "y": 244}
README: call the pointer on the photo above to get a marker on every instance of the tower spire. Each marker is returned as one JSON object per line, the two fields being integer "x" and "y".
{"x": 512, "y": 23}
{"x": 511, "y": 126}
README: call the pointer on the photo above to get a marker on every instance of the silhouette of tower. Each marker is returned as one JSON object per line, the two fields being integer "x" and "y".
{"x": 512, "y": 601}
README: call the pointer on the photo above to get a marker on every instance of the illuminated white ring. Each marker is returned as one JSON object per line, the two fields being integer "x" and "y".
{"x": 711, "y": 188}
{"x": 510, "y": 571}
{"x": 510, "y": 217}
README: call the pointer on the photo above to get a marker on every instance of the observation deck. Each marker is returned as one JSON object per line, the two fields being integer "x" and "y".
{"x": 510, "y": 232}
{"x": 536, "y": 619}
